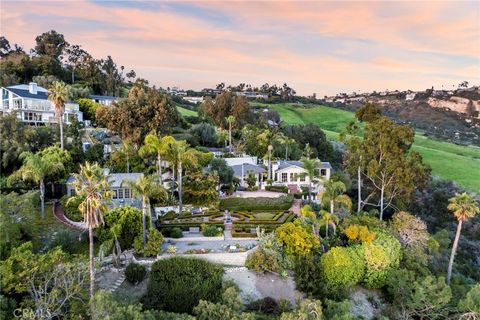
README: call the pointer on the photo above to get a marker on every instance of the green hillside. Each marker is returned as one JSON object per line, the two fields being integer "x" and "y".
{"x": 448, "y": 160}
{"x": 187, "y": 113}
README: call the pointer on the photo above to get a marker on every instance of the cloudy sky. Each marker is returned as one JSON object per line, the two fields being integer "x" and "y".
{"x": 321, "y": 47}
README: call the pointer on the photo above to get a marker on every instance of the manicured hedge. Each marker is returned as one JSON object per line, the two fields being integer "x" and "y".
{"x": 236, "y": 234}
{"x": 135, "y": 273}
{"x": 186, "y": 226}
{"x": 282, "y": 189}
{"x": 258, "y": 204}
{"x": 177, "y": 284}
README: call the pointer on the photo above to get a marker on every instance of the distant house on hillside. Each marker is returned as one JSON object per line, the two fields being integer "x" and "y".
{"x": 410, "y": 96}
{"x": 193, "y": 99}
{"x": 252, "y": 95}
{"x": 31, "y": 104}
{"x": 105, "y": 100}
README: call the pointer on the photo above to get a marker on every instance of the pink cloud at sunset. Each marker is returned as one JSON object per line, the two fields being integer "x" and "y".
{"x": 322, "y": 47}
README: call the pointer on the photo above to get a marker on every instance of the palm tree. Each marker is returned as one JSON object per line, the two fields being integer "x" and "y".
{"x": 310, "y": 216}
{"x": 158, "y": 145}
{"x": 464, "y": 207}
{"x": 59, "y": 93}
{"x": 288, "y": 142}
{"x": 127, "y": 150}
{"x": 146, "y": 187}
{"x": 311, "y": 167}
{"x": 231, "y": 121}
{"x": 333, "y": 194}
{"x": 92, "y": 185}
{"x": 37, "y": 166}
{"x": 180, "y": 154}
{"x": 328, "y": 219}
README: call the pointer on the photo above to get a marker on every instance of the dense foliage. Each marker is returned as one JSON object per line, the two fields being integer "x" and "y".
{"x": 135, "y": 273}
{"x": 182, "y": 279}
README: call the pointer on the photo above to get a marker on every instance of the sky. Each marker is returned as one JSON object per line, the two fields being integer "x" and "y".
{"x": 315, "y": 46}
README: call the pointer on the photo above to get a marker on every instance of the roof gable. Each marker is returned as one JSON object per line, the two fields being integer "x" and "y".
{"x": 24, "y": 93}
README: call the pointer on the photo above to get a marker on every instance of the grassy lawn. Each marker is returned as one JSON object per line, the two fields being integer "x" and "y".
{"x": 264, "y": 215}
{"x": 43, "y": 230}
{"x": 448, "y": 160}
{"x": 186, "y": 112}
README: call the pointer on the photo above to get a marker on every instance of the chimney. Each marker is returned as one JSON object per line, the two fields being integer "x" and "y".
{"x": 32, "y": 87}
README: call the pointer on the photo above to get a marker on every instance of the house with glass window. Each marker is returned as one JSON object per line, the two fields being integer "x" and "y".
{"x": 293, "y": 175}
{"x": 31, "y": 104}
{"x": 122, "y": 194}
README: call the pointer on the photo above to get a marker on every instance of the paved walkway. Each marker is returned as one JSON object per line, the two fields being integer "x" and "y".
{"x": 296, "y": 205}
{"x": 217, "y": 246}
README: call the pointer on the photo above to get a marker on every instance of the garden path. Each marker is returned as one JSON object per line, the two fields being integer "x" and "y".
{"x": 296, "y": 205}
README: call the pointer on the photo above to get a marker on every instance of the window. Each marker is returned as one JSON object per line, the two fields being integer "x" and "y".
{"x": 302, "y": 178}
{"x": 115, "y": 196}
{"x": 28, "y": 116}
{"x": 31, "y": 116}
{"x": 120, "y": 193}
{"x": 284, "y": 176}
{"x": 128, "y": 194}
{"x": 323, "y": 172}
{"x": 292, "y": 176}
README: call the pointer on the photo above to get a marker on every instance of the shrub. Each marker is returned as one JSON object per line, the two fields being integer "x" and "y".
{"x": 169, "y": 215}
{"x": 129, "y": 221}
{"x": 176, "y": 233}
{"x": 282, "y": 189}
{"x": 266, "y": 305}
{"x": 172, "y": 249}
{"x": 261, "y": 260}
{"x": 178, "y": 284}
{"x": 71, "y": 208}
{"x": 135, "y": 273}
{"x": 296, "y": 239}
{"x": 211, "y": 231}
{"x": 138, "y": 244}
{"x": 154, "y": 243}
{"x": 64, "y": 239}
{"x": 356, "y": 233}
{"x": 342, "y": 267}
{"x": 381, "y": 256}
{"x": 471, "y": 301}
{"x": 308, "y": 276}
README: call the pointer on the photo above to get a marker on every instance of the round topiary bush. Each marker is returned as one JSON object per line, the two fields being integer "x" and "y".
{"x": 135, "y": 273}
{"x": 176, "y": 233}
{"x": 342, "y": 267}
{"x": 177, "y": 284}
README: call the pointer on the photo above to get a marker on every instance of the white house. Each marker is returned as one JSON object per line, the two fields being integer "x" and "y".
{"x": 410, "y": 96}
{"x": 105, "y": 100}
{"x": 32, "y": 105}
{"x": 241, "y": 160}
{"x": 122, "y": 194}
{"x": 292, "y": 174}
{"x": 193, "y": 99}
{"x": 242, "y": 171}
{"x": 252, "y": 95}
